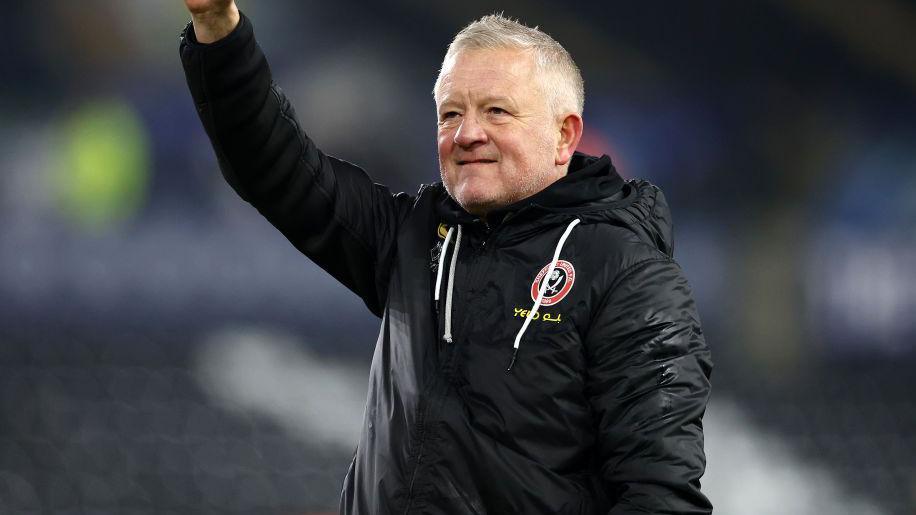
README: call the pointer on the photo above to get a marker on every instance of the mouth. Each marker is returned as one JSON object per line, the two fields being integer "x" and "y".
{"x": 475, "y": 161}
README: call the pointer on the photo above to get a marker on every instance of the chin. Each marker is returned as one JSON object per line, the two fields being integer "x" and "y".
{"x": 479, "y": 205}
{"x": 476, "y": 195}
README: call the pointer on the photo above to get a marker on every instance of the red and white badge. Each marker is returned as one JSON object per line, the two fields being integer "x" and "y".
{"x": 558, "y": 284}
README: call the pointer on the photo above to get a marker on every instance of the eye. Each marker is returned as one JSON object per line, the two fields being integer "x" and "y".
{"x": 497, "y": 110}
{"x": 448, "y": 115}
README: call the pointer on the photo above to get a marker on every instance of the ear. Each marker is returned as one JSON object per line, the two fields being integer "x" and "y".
{"x": 570, "y": 133}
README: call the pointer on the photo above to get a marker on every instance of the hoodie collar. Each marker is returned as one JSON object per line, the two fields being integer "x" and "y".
{"x": 591, "y": 181}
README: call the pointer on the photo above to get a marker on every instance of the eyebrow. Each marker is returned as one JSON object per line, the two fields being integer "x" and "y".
{"x": 489, "y": 99}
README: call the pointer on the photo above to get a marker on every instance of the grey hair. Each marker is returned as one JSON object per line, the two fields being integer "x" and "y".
{"x": 561, "y": 78}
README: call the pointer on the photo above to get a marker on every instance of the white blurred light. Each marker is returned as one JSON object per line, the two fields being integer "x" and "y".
{"x": 273, "y": 375}
{"x": 862, "y": 292}
{"x": 752, "y": 472}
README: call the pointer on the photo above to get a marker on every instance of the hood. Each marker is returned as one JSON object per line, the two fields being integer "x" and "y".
{"x": 592, "y": 191}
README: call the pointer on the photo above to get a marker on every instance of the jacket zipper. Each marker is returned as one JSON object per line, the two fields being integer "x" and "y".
{"x": 475, "y": 272}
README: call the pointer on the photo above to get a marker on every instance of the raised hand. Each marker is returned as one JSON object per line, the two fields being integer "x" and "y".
{"x": 212, "y": 19}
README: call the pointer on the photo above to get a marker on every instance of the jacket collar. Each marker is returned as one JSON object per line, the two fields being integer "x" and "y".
{"x": 590, "y": 183}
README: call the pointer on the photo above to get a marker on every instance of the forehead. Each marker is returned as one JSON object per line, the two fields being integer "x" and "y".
{"x": 499, "y": 71}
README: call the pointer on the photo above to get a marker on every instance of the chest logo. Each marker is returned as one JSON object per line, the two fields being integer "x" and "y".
{"x": 559, "y": 282}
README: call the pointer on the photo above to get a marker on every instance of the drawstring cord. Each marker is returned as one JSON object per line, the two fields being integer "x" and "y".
{"x": 541, "y": 290}
{"x": 447, "y": 336}
{"x": 451, "y": 286}
{"x": 448, "y": 238}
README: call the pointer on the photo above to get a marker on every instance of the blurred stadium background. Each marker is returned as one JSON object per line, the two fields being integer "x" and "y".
{"x": 164, "y": 350}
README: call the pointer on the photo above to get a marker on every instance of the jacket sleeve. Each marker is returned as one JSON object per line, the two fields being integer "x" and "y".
{"x": 648, "y": 384}
{"x": 327, "y": 208}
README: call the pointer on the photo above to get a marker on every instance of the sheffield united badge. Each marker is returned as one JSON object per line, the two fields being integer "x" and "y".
{"x": 559, "y": 282}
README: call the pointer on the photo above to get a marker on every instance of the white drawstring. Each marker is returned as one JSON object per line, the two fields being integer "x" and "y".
{"x": 448, "y": 238}
{"x": 451, "y": 286}
{"x": 451, "y": 280}
{"x": 541, "y": 290}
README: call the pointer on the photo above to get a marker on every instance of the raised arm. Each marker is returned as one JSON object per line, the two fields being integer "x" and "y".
{"x": 328, "y": 208}
{"x": 213, "y": 19}
{"x": 648, "y": 384}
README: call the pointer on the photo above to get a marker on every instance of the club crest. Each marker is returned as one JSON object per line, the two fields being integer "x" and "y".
{"x": 559, "y": 283}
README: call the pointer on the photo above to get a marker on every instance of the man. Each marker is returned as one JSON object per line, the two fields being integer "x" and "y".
{"x": 488, "y": 393}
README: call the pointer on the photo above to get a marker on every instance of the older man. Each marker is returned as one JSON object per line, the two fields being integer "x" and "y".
{"x": 539, "y": 351}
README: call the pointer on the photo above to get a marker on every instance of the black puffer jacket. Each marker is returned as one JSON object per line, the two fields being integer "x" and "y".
{"x": 602, "y": 409}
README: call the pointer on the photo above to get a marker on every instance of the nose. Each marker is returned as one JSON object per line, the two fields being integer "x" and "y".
{"x": 470, "y": 132}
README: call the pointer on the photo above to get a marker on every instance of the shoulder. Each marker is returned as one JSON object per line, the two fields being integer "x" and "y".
{"x": 615, "y": 248}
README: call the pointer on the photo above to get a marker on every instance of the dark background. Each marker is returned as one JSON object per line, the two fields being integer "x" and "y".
{"x": 164, "y": 350}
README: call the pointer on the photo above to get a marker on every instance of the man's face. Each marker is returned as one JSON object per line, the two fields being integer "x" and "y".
{"x": 497, "y": 139}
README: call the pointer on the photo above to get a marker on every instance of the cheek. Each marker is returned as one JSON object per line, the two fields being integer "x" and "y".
{"x": 445, "y": 143}
{"x": 445, "y": 146}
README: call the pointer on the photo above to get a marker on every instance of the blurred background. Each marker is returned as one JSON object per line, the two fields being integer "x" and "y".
{"x": 164, "y": 350}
